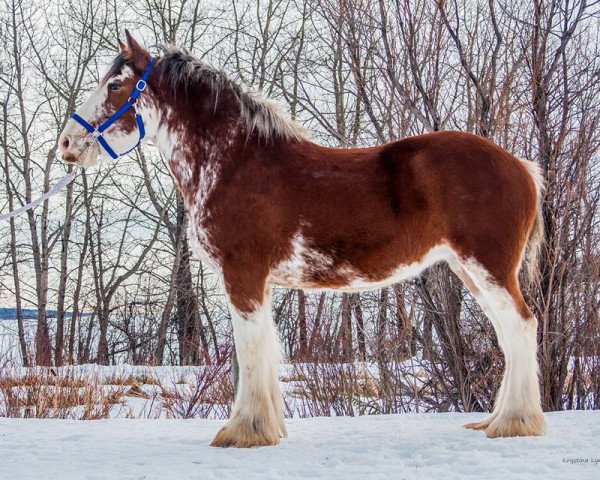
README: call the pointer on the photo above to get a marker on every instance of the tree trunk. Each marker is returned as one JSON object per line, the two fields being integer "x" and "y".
{"x": 346, "y": 330}
{"x": 303, "y": 341}
{"x": 360, "y": 327}
{"x": 103, "y": 316}
{"x": 187, "y": 315}
{"x": 62, "y": 284}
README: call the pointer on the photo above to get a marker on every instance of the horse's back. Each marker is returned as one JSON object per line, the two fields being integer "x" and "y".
{"x": 413, "y": 180}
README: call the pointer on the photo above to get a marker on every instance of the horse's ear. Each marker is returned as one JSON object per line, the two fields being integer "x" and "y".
{"x": 135, "y": 53}
{"x": 122, "y": 46}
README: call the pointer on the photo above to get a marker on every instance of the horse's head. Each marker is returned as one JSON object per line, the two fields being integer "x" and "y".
{"x": 96, "y": 129}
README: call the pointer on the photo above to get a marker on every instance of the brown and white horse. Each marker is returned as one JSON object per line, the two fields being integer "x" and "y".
{"x": 269, "y": 207}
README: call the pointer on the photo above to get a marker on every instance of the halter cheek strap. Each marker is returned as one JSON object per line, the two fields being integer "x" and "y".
{"x": 97, "y": 133}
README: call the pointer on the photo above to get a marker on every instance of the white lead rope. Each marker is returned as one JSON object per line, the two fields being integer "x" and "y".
{"x": 62, "y": 183}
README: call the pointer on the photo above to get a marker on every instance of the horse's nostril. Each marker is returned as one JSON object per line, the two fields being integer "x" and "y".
{"x": 65, "y": 143}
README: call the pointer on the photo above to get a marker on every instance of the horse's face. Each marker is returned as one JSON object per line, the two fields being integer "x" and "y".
{"x": 77, "y": 144}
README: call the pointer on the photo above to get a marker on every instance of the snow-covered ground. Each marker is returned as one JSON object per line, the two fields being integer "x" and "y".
{"x": 421, "y": 446}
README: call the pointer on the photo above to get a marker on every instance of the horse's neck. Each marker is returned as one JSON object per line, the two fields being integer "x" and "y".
{"x": 197, "y": 158}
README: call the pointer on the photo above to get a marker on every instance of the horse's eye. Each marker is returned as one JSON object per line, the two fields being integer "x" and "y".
{"x": 114, "y": 86}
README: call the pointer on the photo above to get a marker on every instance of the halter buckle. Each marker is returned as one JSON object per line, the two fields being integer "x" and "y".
{"x": 96, "y": 133}
{"x": 141, "y": 85}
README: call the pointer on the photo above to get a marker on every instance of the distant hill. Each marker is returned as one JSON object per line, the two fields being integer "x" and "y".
{"x": 9, "y": 313}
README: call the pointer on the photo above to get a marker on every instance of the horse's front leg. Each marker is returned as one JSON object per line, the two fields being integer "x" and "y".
{"x": 257, "y": 414}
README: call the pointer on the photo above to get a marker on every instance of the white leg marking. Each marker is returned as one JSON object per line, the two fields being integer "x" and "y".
{"x": 517, "y": 411}
{"x": 257, "y": 414}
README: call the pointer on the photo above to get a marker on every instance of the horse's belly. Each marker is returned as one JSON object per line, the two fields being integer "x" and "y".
{"x": 311, "y": 272}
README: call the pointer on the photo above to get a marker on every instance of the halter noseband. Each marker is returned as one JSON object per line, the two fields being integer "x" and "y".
{"x": 140, "y": 86}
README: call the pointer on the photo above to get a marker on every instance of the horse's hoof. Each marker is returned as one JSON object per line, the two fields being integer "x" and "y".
{"x": 244, "y": 434}
{"x": 515, "y": 426}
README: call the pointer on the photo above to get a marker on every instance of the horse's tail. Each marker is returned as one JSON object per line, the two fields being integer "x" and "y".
{"x": 536, "y": 236}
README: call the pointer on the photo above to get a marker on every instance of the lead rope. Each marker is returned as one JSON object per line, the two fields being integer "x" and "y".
{"x": 56, "y": 188}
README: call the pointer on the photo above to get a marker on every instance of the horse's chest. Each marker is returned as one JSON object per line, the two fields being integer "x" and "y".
{"x": 201, "y": 218}
{"x": 202, "y": 245}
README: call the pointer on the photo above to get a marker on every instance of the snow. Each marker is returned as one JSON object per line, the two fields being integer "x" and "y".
{"x": 421, "y": 446}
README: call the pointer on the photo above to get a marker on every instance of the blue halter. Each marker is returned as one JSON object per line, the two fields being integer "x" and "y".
{"x": 140, "y": 86}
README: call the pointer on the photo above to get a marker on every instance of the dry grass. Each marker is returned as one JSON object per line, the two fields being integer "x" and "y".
{"x": 313, "y": 389}
{"x": 72, "y": 394}
{"x": 43, "y": 393}
{"x": 209, "y": 396}
{"x": 348, "y": 389}
{"x": 137, "y": 391}
{"x": 131, "y": 380}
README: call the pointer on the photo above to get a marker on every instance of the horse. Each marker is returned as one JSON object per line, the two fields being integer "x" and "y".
{"x": 267, "y": 206}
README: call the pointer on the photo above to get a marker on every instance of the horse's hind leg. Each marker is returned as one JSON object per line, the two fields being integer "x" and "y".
{"x": 257, "y": 413}
{"x": 463, "y": 274}
{"x": 517, "y": 411}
